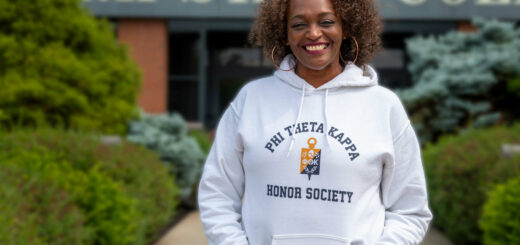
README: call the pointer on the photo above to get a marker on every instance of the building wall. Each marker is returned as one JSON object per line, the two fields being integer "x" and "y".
{"x": 147, "y": 40}
{"x": 466, "y": 26}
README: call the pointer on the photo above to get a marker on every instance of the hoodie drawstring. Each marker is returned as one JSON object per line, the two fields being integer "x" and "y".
{"x": 326, "y": 119}
{"x": 300, "y": 109}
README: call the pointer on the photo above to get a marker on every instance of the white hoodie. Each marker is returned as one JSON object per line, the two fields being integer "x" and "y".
{"x": 296, "y": 165}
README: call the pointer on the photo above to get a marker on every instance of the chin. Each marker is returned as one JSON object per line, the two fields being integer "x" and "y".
{"x": 315, "y": 65}
{"x": 317, "y": 68}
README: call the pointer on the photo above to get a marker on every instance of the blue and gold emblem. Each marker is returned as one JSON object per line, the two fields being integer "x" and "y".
{"x": 310, "y": 161}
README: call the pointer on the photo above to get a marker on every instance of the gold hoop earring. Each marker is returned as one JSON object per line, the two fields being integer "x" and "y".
{"x": 277, "y": 66}
{"x": 357, "y": 52}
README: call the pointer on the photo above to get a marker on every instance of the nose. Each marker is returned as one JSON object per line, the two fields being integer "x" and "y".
{"x": 314, "y": 32}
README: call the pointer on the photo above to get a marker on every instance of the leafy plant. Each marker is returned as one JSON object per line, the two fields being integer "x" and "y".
{"x": 59, "y": 66}
{"x": 35, "y": 209}
{"x": 115, "y": 194}
{"x": 167, "y": 134}
{"x": 460, "y": 79}
{"x": 202, "y": 138}
{"x": 513, "y": 86}
{"x": 501, "y": 218}
{"x": 460, "y": 170}
{"x": 107, "y": 214}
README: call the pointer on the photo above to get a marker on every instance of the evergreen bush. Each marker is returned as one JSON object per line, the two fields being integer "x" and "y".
{"x": 513, "y": 86}
{"x": 34, "y": 209}
{"x": 167, "y": 134}
{"x": 203, "y": 139}
{"x": 106, "y": 212}
{"x": 461, "y": 79}
{"x": 59, "y": 66}
{"x": 501, "y": 218}
{"x": 135, "y": 172}
{"x": 460, "y": 170}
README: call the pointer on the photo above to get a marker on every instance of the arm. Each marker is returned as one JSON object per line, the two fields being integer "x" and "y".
{"x": 222, "y": 185}
{"x": 404, "y": 193}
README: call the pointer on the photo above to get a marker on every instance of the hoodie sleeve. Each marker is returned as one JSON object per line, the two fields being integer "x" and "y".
{"x": 404, "y": 192}
{"x": 222, "y": 185}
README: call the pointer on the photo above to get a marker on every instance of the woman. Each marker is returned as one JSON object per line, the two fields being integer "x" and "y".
{"x": 317, "y": 153}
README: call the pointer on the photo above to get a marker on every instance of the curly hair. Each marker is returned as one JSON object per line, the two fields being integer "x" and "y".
{"x": 360, "y": 20}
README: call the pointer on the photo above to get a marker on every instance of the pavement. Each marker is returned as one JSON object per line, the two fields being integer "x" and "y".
{"x": 189, "y": 231}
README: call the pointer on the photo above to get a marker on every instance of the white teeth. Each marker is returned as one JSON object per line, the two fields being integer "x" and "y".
{"x": 316, "y": 47}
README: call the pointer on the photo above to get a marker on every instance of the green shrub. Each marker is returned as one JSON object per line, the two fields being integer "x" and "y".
{"x": 145, "y": 178}
{"x": 203, "y": 139}
{"x": 59, "y": 66}
{"x": 513, "y": 86}
{"x": 107, "y": 212}
{"x": 460, "y": 79}
{"x": 460, "y": 170}
{"x": 138, "y": 173}
{"x": 168, "y": 135}
{"x": 34, "y": 209}
{"x": 501, "y": 218}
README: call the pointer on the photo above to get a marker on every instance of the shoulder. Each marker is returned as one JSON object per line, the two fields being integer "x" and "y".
{"x": 254, "y": 85}
{"x": 396, "y": 111}
{"x": 384, "y": 94}
{"x": 379, "y": 96}
{"x": 253, "y": 89}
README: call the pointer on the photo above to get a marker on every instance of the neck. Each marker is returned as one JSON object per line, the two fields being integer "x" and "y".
{"x": 316, "y": 78}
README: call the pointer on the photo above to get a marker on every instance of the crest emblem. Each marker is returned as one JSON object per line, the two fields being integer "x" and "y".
{"x": 310, "y": 159}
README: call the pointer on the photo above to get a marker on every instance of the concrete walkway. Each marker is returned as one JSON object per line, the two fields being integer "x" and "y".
{"x": 189, "y": 232}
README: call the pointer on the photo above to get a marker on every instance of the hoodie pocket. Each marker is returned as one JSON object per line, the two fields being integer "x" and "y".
{"x": 308, "y": 239}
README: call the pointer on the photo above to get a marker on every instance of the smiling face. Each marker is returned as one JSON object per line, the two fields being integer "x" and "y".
{"x": 314, "y": 34}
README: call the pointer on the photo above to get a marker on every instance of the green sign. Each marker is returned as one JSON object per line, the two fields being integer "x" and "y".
{"x": 390, "y": 9}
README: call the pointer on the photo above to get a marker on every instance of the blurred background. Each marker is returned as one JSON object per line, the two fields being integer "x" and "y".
{"x": 108, "y": 107}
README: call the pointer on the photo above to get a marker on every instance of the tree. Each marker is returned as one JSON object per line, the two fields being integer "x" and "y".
{"x": 463, "y": 80}
{"x": 59, "y": 66}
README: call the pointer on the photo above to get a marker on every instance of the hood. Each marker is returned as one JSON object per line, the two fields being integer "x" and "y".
{"x": 352, "y": 76}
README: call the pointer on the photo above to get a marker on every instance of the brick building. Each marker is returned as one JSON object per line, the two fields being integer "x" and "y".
{"x": 194, "y": 54}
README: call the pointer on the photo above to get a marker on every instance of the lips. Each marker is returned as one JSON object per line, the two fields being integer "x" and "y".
{"x": 315, "y": 48}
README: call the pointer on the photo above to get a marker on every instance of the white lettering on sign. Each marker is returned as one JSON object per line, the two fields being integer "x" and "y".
{"x": 122, "y": 1}
{"x": 228, "y": 1}
{"x": 413, "y": 2}
{"x": 454, "y": 2}
{"x": 197, "y": 1}
{"x": 243, "y": 1}
{"x": 493, "y": 2}
{"x": 408, "y": 2}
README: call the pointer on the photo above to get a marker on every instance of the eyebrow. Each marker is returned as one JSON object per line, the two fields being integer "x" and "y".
{"x": 301, "y": 16}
